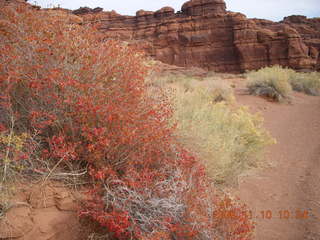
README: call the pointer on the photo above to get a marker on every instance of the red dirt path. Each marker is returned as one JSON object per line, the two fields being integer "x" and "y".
{"x": 292, "y": 182}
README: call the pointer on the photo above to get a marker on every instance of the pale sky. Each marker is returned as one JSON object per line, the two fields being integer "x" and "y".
{"x": 267, "y": 9}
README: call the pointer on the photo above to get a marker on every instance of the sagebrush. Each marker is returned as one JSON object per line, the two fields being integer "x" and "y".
{"x": 308, "y": 83}
{"x": 229, "y": 139}
{"x": 277, "y": 82}
{"x": 271, "y": 82}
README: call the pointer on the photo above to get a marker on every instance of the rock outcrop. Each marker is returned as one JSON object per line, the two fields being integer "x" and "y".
{"x": 204, "y": 34}
{"x": 44, "y": 213}
{"x": 309, "y": 29}
{"x": 86, "y": 10}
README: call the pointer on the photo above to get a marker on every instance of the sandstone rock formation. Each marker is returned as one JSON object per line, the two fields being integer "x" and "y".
{"x": 204, "y": 34}
{"x": 309, "y": 29}
{"x": 42, "y": 213}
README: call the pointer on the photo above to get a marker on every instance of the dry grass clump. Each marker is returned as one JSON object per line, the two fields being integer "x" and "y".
{"x": 216, "y": 90}
{"x": 308, "y": 83}
{"x": 230, "y": 140}
{"x": 170, "y": 79}
{"x": 271, "y": 82}
{"x": 220, "y": 90}
{"x": 277, "y": 83}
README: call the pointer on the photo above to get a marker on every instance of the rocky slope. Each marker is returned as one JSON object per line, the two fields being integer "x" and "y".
{"x": 204, "y": 34}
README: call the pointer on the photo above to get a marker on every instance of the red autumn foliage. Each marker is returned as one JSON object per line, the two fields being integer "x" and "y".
{"x": 85, "y": 100}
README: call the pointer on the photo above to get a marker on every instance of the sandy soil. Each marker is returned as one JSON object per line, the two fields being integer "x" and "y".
{"x": 292, "y": 182}
{"x": 41, "y": 213}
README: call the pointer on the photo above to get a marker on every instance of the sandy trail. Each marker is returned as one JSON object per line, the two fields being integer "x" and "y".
{"x": 292, "y": 184}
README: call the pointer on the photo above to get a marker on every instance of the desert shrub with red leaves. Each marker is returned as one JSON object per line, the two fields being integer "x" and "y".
{"x": 83, "y": 101}
{"x": 175, "y": 201}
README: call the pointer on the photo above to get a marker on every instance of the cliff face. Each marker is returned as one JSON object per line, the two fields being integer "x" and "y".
{"x": 309, "y": 29}
{"x": 203, "y": 34}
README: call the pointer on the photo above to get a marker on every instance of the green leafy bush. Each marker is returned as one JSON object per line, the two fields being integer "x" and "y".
{"x": 271, "y": 82}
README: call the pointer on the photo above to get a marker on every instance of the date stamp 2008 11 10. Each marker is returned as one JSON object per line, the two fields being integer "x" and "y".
{"x": 265, "y": 214}
{"x": 225, "y": 211}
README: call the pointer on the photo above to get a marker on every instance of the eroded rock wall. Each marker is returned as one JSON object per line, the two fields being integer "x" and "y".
{"x": 204, "y": 34}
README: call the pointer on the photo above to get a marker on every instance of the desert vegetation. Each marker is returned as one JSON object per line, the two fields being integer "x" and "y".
{"x": 270, "y": 82}
{"x": 227, "y": 138}
{"x": 308, "y": 83}
{"x": 230, "y": 140}
{"x": 72, "y": 104}
{"x": 277, "y": 83}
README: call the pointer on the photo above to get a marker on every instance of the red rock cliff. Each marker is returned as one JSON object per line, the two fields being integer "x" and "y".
{"x": 203, "y": 34}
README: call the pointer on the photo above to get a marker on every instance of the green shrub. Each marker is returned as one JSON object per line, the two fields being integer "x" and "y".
{"x": 308, "y": 83}
{"x": 229, "y": 140}
{"x": 271, "y": 82}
